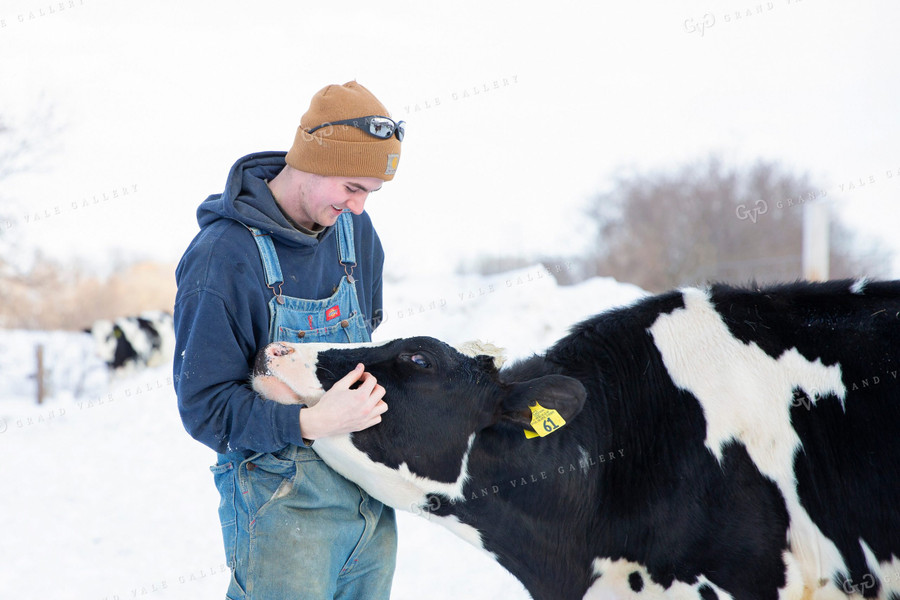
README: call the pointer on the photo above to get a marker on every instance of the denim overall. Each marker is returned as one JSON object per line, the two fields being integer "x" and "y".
{"x": 293, "y": 528}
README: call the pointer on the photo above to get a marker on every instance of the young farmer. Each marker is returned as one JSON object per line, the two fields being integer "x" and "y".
{"x": 286, "y": 253}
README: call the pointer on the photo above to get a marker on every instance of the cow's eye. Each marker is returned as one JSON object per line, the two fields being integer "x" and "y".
{"x": 420, "y": 360}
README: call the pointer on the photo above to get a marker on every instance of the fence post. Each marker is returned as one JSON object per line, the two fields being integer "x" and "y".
{"x": 39, "y": 351}
{"x": 815, "y": 241}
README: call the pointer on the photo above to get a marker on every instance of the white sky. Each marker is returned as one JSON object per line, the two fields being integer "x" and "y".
{"x": 165, "y": 96}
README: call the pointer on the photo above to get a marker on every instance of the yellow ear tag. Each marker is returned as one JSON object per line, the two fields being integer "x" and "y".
{"x": 544, "y": 421}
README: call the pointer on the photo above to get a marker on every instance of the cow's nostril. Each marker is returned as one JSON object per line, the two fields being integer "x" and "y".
{"x": 278, "y": 349}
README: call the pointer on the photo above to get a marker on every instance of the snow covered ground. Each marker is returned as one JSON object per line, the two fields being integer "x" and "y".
{"x": 104, "y": 496}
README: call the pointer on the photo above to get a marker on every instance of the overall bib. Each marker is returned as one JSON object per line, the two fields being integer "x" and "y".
{"x": 293, "y": 528}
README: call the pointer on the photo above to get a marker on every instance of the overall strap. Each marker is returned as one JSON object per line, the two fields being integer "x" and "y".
{"x": 269, "y": 259}
{"x": 346, "y": 249}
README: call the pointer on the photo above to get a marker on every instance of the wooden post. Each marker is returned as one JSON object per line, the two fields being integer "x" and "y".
{"x": 815, "y": 241}
{"x": 39, "y": 377}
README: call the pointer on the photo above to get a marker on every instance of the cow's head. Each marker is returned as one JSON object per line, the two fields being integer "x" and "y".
{"x": 439, "y": 400}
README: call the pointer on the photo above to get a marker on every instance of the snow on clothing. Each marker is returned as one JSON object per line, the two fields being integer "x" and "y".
{"x": 222, "y": 312}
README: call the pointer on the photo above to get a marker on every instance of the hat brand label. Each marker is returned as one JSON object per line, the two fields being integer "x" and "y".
{"x": 392, "y": 161}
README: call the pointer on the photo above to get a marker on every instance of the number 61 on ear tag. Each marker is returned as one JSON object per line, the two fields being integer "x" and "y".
{"x": 544, "y": 421}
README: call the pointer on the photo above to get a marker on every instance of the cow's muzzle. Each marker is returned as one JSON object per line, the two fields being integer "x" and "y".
{"x": 284, "y": 374}
{"x": 261, "y": 365}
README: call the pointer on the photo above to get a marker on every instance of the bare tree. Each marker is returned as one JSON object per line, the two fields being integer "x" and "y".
{"x": 24, "y": 143}
{"x": 709, "y": 222}
{"x": 28, "y": 138}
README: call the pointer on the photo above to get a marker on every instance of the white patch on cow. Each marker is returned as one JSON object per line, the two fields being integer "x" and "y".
{"x": 873, "y": 563}
{"x": 889, "y": 574}
{"x": 793, "y": 588}
{"x": 400, "y": 487}
{"x": 798, "y": 587}
{"x": 612, "y": 583}
{"x": 297, "y": 369}
{"x": 746, "y": 396}
{"x": 453, "y": 491}
{"x": 477, "y": 348}
{"x": 859, "y": 286}
{"x": 380, "y": 481}
{"x": 104, "y": 340}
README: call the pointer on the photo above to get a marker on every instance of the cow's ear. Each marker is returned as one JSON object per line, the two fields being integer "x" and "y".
{"x": 563, "y": 394}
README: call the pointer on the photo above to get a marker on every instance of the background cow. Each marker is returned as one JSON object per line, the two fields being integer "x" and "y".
{"x": 145, "y": 340}
{"x": 719, "y": 443}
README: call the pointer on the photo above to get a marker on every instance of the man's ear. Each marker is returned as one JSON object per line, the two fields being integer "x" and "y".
{"x": 563, "y": 394}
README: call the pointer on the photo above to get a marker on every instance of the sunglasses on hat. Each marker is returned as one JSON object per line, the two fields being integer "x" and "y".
{"x": 380, "y": 127}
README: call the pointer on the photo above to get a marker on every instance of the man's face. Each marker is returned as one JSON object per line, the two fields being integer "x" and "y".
{"x": 323, "y": 198}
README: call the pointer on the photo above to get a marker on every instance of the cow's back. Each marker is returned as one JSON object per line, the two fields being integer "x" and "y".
{"x": 847, "y": 463}
{"x": 780, "y": 404}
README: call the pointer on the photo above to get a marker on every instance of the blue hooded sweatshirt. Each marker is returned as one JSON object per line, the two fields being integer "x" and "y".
{"x": 222, "y": 312}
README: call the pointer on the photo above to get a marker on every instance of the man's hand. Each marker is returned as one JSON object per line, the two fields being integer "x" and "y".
{"x": 342, "y": 410}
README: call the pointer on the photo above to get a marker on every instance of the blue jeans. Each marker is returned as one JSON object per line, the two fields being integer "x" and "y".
{"x": 296, "y": 530}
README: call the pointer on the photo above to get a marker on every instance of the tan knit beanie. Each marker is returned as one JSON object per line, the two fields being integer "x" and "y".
{"x": 343, "y": 150}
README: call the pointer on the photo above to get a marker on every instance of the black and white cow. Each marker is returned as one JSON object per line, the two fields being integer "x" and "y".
{"x": 719, "y": 443}
{"x": 146, "y": 340}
